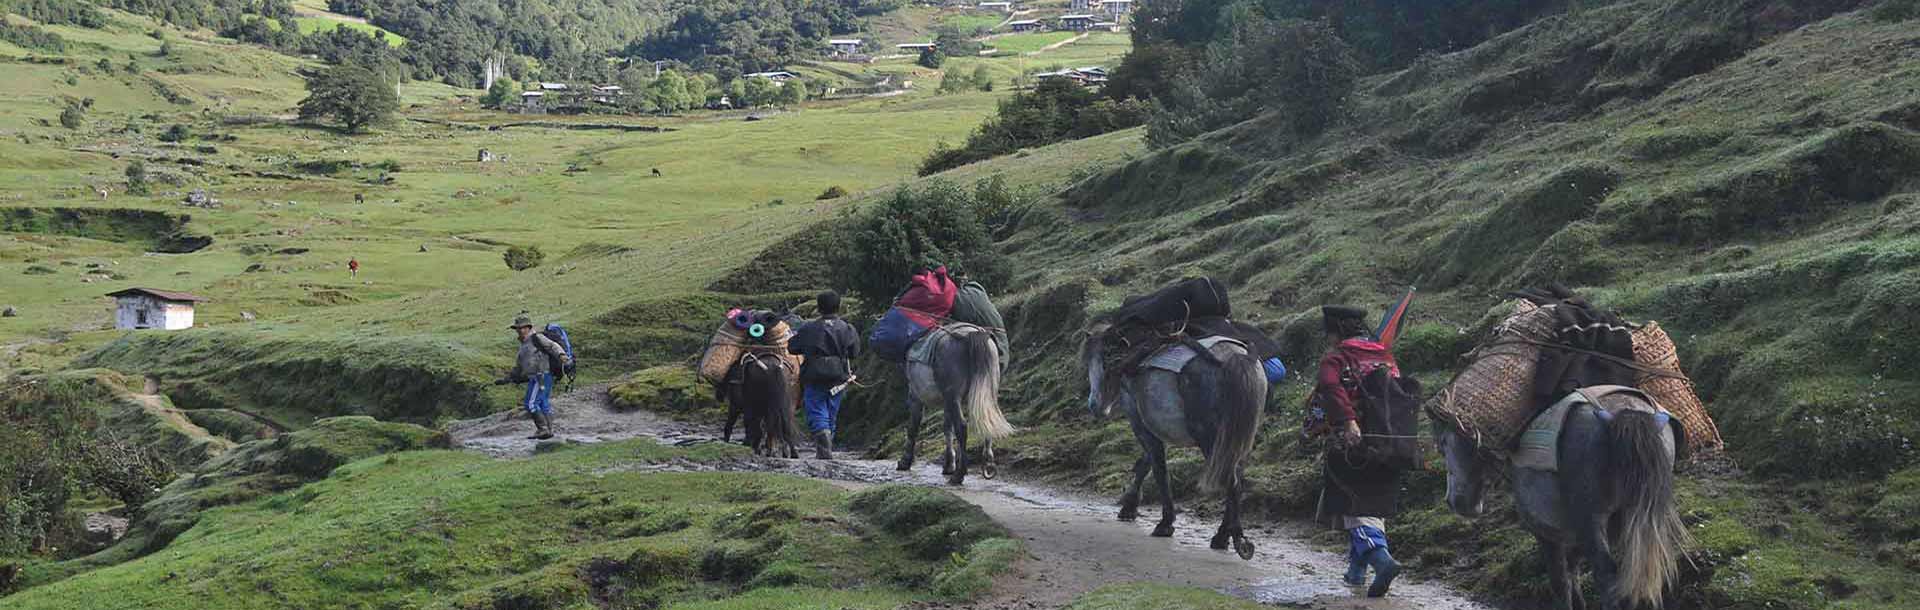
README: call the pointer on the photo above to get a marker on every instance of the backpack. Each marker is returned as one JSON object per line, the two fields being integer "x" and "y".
{"x": 1389, "y": 411}
{"x": 556, "y": 334}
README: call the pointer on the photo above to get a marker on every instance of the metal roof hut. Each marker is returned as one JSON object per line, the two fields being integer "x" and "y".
{"x": 145, "y": 308}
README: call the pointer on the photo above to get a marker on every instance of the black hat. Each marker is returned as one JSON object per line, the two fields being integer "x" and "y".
{"x": 828, "y": 303}
{"x": 1343, "y": 312}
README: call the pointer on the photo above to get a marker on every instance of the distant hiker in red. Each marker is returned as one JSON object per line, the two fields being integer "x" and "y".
{"x": 353, "y": 267}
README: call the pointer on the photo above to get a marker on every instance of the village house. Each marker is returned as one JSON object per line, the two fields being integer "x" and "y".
{"x": 845, "y": 46}
{"x": 775, "y": 76}
{"x": 533, "y": 102}
{"x": 1092, "y": 76}
{"x": 915, "y": 47}
{"x": 1024, "y": 25}
{"x": 1081, "y": 6}
{"x": 145, "y": 308}
{"x": 1077, "y": 23}
{"x": 1004, "y": 7}
{"x": 1116, "y": 8}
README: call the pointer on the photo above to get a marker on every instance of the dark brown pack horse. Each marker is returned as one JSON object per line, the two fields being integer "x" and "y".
{"x": 765, "y": 396}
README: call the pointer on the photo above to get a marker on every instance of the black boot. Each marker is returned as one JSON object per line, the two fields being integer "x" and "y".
{"x": 1384, "y": 569}
{"x": 823, "y": 444}
{"x": 539, "y": 426}
{"x": 546, "y": 425}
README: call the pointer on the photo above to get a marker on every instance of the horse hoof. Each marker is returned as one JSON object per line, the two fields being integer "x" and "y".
{"x": 956, "y": 480}
{"x": 1129, "y": 515}
{"x": 1164, "y": 530}
{"x": 990, "y": 472}
{"x": 1219, "y": 543}
{"x": 904, "y": 465}
{"x": 1243, "y": 547}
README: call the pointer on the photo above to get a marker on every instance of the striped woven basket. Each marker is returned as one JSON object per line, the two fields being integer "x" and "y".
{"x": 1490, "y": 400}
{"x": 1652, "y": 348}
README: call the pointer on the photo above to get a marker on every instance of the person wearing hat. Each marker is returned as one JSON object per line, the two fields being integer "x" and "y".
{"x": 829, "y": 345}
{"x": 1356, "y": 496}
{"x": 534, "y": 366}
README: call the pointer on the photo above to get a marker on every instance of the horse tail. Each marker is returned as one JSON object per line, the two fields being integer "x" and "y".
{"x": 1649, "y": 542}
{"x": 1243, "y": 397}
{"x": 980, "y": 394}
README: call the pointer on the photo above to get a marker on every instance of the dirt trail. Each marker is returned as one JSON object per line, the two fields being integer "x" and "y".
{"x": 1074, "y": 542}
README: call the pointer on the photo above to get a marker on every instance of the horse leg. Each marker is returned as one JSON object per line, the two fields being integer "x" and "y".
{"x": 1130, "y": 501}
{"x": 1558, "y": 575}
{"x": 957, "y": 430}
{"x": 991, "y": 470}
{"x": 1158, "y": 451}
{"x": 733, "y": 415}
{"x": 913, "y": 433}
{"x": 946, "y": 453}
{"x": 1592, "y": 535}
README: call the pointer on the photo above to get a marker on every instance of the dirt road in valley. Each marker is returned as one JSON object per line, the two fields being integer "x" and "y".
{"x": 1074, "y": 542}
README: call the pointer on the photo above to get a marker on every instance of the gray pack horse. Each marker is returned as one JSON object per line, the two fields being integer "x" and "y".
{"x": 764, "y": 396}
{"x": 1611, "y": 503}
{"x": 963, "y": 375}
{"x": 1215, "y": 404}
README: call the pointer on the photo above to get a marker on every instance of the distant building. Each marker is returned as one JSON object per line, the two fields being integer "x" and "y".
{"x": 553, "y": 86}
{"x": 916, "y": 47}
{"x": 845, "y": 46}
{"x": 533, "y": 102}
{"x": 145, "y": 308}
{"x": 1005, "y": 7}
{"x": 1086, "y": 77}
{"x": 1111, "y": 26}
{"x": 1077, "y": 23}
{"x": 1024, "y": 25}
{"x": 776, "y": 76}
{"x": 1116, "y": 8}
{"x": 1081, "y": 6}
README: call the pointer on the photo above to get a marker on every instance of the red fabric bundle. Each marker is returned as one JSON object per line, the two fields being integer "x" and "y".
{"x": 929, "y": 297}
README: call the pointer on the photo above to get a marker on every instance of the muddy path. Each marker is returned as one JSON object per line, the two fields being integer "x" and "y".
{"x": 1074, "y": 542}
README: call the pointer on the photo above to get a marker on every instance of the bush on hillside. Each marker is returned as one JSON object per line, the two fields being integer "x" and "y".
{"x": 939, "y": 223}
{"x": 137, "y": 182}
{"x": 177, "y": 132}
{"x": 1896, "y": 10}
{"x": 73, "y": 117}
{"x": 523, "y": 258}
{"x": 832, "y": 192}
{"x": 1056, "y": 110}
{"x": 1300, "y": 68}
{"x": 931, "y": 58}
{"x": 30, "y": 37}
{"x": 55, "y": 446}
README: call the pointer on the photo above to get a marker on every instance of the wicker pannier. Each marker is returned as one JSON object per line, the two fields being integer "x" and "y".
{"x": 727, "y": 345}
{"x": 1653, "y": 349}
{"x": 1491, "y": 400}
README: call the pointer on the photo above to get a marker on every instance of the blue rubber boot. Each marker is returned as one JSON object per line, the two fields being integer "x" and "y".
{"x": 1384, "y": 569}
{"x": 1356, "y": 573}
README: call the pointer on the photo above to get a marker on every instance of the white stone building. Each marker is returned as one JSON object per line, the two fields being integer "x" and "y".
{"x": 144, "y": 308}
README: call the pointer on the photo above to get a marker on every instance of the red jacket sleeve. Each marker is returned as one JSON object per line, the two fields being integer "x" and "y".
{"x": 1334, "y": 395}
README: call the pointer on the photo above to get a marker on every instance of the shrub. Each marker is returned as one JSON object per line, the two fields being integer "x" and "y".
{"x": 832, "y": 192}
{"x": 1055, "y": 110}
{"x": 1299, "y": 68}
{"x": 937, "y": 224}
{"x": 73, "y": 117}
{"x": 354, "y": 96}
{"x": 931, "y": 58}
{"x": 178, "y": 132}
{"x": 137, "y": 178}
{"x": 1896, "y": 10}
{"x": 523, "y": 258}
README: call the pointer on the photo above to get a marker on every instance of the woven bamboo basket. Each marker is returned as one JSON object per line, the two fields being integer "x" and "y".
{"x": 1490, "y": 400}
{"x": 727, "y": 345}
{"x": 1652, "y": 348}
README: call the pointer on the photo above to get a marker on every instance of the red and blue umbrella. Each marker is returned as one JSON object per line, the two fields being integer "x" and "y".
{"x": 1391, "y": 321}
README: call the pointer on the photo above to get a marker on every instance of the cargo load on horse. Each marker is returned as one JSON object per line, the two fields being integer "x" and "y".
{"x": 927, "y": 301}
{"x": 1192, "y": 312}
{"x": 754, "y": 337}
{"x": 1525, "y": 364}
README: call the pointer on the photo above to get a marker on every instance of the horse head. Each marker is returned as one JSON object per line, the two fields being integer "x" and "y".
{"x": 1093, "y": 357}
{"x": 1466, "y": 468}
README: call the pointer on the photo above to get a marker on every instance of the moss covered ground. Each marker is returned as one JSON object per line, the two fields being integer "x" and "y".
{"x": 588, "y": 527}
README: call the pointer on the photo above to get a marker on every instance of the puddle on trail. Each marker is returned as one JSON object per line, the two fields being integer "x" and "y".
{"x": 1076, "y": 542}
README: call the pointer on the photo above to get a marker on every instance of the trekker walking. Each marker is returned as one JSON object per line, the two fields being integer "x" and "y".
{"x": 353, "y": 268}
{"x": 1357, "y": 495}
{"x": 538, "y": 360}
{"x": 829, "y": 345}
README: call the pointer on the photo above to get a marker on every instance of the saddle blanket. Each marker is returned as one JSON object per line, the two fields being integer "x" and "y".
{"x": 922, "y": 349}
{"x": 1175, "y": 357}
{"x": 1539, "y": 445}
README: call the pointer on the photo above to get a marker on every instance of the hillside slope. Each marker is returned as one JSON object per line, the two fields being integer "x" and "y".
{"x": 1744, "y": 172}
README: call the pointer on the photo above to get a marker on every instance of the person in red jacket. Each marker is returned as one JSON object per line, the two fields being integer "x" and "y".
{"x": 1357, "y": 496}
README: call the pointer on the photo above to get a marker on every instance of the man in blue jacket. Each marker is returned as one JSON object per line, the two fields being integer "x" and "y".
{"x": 829, "y": 345}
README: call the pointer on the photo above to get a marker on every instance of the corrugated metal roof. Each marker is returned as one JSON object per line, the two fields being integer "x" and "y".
{"x": 164, "y": 295}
